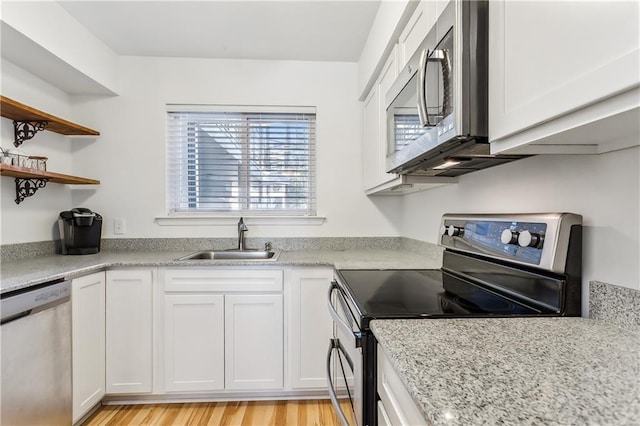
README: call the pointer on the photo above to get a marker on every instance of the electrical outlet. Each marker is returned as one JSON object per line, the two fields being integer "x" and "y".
{"x": 119, "y": 226}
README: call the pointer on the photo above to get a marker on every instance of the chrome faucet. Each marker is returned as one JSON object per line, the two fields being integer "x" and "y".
{"x": 242, "y": 228}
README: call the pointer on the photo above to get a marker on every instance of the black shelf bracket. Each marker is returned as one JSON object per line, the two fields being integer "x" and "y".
{"x": 27, "y": 187}
{"x": 25, "y": 130}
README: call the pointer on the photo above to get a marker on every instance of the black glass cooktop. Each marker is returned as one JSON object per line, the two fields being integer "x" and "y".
{"x": 380, "y": 294}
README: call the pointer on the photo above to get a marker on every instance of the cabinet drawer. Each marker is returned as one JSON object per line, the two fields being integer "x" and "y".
{"x": 227, "y": 280}
{"x": 396, "y": 400}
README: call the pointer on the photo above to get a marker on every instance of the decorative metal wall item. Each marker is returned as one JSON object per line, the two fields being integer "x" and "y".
{"x": 27, "y": 187}
{"x": 25, "y": 130}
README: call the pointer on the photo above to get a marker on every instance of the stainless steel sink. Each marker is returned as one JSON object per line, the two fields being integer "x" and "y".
{"x": 230, "y": 255}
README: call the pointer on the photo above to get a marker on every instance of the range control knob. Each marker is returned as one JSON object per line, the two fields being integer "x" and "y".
{"x": 509, "y": 237}
{"x": 455, "y": 231}
{"x": 529, "y": 239}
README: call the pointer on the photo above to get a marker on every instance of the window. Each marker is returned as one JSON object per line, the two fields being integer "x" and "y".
{"x": 241, "y": 160}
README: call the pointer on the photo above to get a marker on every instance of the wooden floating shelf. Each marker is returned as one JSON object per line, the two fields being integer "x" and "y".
{"x": 20, "y": 112}
{"x": 26, "y": 173}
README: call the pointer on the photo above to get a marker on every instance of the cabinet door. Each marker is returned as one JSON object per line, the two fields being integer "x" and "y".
{"x": 420, "y": 23}
{"x": 388, "y": 75}
{"x": 129, "y": 331}
{"x": 375, "y": 126}
{"x": 253, "y": 341}
{"x": 548, "y": 82}
{"x": 310, "y": 326}
{"x": 416, "y": 30}
{"x": 88, "y": 342}
{"x": 193, "y": 342}
{"x": 371, "y": 138}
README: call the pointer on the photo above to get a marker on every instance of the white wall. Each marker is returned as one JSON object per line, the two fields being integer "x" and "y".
{"x": 129, "y": 156}
{"x": 390, "y": 19}
{"x": 53, "y": 43}
{"x": 604, "y": 189}
{"x": 34, "y": 219}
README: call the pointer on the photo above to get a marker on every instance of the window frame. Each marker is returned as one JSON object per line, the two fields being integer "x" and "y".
{"x": 176, "y": 215}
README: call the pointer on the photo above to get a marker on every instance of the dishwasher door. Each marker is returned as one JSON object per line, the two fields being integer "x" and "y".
{"x": 35, "y": 337}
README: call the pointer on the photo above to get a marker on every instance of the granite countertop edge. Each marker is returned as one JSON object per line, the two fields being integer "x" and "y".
{"x": 18, "y": 275}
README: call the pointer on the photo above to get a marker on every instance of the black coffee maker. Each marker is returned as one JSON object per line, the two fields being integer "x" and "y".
{"x": 80, "y": 231}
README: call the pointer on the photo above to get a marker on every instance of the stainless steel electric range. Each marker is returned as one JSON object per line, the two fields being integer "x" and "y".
{"x": 494, "y": 265}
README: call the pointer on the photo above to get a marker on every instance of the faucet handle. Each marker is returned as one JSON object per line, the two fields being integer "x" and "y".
{"x": 267, "y": 246}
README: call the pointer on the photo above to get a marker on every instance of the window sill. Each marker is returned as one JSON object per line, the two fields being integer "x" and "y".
{"x": 196, "y": 220}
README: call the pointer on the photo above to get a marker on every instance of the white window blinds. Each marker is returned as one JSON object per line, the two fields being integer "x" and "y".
{"x": 241, "y": 160}
{"x": 406, "y": 128}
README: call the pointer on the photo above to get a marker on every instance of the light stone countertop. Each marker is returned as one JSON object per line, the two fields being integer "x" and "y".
{"x": 20, "y": 274}
{"x": 517, "y": 371}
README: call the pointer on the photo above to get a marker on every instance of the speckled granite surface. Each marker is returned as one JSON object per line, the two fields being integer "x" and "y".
{"x": 24, "y": 273}
{"x": 11, "y": 252}
{"x": 517, "y": 371}
{"x": 194, "y": 244}
{"x": 615, "y": 304}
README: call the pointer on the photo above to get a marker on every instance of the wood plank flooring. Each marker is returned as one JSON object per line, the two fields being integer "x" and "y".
{"x": 253, "y": 413}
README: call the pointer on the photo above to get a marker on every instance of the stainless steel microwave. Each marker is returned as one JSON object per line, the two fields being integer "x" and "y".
{"x": 437, "y": 109}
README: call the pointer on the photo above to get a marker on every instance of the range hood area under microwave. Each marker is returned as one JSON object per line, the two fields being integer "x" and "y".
{"x": 437, "y": 109}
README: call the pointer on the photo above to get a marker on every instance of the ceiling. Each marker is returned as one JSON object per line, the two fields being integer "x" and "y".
{"x": 321, "y": 30}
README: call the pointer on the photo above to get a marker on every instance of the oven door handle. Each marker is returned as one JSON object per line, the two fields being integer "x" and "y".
{"x": 340, "y": 322}
{"x": 334, "y": 345}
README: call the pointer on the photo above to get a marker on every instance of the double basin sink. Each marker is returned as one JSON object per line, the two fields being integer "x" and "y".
{"x": 231, "y": 255}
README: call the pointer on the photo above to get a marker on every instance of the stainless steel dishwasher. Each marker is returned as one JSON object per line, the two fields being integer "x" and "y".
{"x": 35, "y": 334}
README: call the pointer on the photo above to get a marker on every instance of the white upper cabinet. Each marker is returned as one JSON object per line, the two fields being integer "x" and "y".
{"x": 564, "y": 76}
{"x": 415, "y": 31}
{"x": 417, "y": 28}
{"x": 375, "y": 133}
{"x": 371, "y": 139}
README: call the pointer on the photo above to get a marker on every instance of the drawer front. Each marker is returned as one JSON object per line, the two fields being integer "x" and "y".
{"x": 223, "y": 280}
{"x": 397, "y": 403}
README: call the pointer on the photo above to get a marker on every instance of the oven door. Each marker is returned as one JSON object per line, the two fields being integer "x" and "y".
{"x": 344, "y": 360}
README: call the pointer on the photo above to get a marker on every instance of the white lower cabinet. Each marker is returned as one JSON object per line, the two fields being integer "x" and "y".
{"x": 253, "y": 341}
{"x": 193, "y": 342}
{"x": 88, "y": 342}
{"x": 396, "y": 407}
{"x": 129, "y": 331}
{"x": 223, "y": 330}
{"x": 209, "y": 330}
{"x": 310, "y": 326}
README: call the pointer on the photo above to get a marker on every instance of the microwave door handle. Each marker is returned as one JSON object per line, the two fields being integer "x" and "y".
{"x": 442, "y": 57}
{"x": 332, "y": 390}
{"x": 445, "y": 61}
{"x": 422, "y": 88}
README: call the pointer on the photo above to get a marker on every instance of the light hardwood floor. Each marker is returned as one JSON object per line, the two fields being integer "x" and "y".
{"x": 254, "y": 413}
